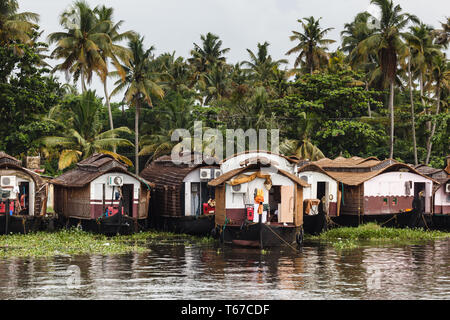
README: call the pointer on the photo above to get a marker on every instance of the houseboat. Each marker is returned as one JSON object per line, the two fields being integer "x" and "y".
{"x": 182, "y": 201}
{"x": 321, "y": 199}
{"x": 101, "y": 195}
{"x": 259, "y": 201}
{"x": 23, "y": 197}
{"x": 441, "y": 194}
{"x": 382, "y": 191}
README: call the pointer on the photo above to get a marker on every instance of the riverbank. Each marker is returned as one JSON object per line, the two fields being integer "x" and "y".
{"x": 372, "y": 234}
{"x": 77, "y": 242}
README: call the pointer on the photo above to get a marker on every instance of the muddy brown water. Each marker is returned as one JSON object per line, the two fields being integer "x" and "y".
{"x": 176, "y": 270}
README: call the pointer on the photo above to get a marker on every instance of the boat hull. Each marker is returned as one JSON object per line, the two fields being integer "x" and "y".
{"x": 261, "y": 235}
{"x": 198, "y": 226}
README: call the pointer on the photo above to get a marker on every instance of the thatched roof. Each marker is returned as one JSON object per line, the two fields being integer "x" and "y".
{"x": 232, "y": 173}
{"x": 164, "y": 172}
{"x": 91, "y": 168}
{"x": 352, "y": 178}
{"x": 6, "y": 158}
{"x": 349, "y": 163}
{"x": 9, "y": 162}
{"x": 291, "y": 159}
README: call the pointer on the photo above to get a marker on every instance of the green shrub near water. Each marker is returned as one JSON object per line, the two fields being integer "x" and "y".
{"x": 351, "y": 237}
{"x": 78, "y": 242}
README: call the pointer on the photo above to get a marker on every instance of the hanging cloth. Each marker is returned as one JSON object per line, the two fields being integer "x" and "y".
{"x": 253, "y": 176}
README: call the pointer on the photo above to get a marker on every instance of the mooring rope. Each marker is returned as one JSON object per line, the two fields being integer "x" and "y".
{"x": 297, "y": 251}
{"x": 394, "y": 217}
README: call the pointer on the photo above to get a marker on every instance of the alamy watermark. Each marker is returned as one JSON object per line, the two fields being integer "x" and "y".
{"x": 208, "y": 144}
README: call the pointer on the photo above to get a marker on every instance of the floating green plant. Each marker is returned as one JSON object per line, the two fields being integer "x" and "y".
{"x": 372, "y": 233}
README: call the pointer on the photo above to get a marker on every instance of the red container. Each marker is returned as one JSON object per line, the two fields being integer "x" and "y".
{"x": 207, "y": 209}
{"x": 2, "y": 207}
{"x": 250, "y": 213}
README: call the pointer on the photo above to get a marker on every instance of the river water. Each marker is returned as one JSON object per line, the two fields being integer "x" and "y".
{"x": 180, "y": 270}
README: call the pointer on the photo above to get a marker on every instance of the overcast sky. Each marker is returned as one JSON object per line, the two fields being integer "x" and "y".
{"x": 174, "y": 25}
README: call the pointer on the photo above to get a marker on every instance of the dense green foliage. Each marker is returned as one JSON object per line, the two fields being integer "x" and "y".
{"x": 345, "y": 102}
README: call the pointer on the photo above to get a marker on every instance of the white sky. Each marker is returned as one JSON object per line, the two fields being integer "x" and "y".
{"x": 174, "y": 25}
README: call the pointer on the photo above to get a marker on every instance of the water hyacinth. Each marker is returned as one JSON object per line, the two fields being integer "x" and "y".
{"x": 372, "y": 233}
{"x": 77, "y": 242}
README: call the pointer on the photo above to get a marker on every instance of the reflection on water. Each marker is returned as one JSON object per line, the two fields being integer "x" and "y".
{"x": 176, "y": 271}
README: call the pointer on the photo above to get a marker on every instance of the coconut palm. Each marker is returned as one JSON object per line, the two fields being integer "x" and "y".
{"x": 441, "y": 76}
{"x": 442, "y": 36}
{"x": 303, "y": 148}
{"x": 205, "y": 57}
{"x": 139, "y": 84}
{"x": 83, "y": 135}
{"x": 114, "y": 52}
{"x": 82, "y": 43}
{"x": 312, "y": 46}
{"x": 15, "y": 26}
{"x": 421, "y": 52}
{"x": 261, "y": 65}
{"x": 386, "y": 42}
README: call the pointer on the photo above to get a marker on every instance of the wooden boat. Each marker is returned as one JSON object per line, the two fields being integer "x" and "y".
{"x": 259, "y": 202}
{"x": 23, "y": 197}
{"x": 101, "y": 184}
{"x": 179, "y": 201}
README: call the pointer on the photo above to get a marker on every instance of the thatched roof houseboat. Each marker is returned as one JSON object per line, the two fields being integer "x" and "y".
{"x": 23, "y": 196}
{"x": 259, "y": 200}
{"x": 100, "y": 189}
{"x": 182, "y": 201}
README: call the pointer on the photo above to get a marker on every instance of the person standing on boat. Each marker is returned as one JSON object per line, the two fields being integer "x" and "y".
{"x": 418, "y": 206}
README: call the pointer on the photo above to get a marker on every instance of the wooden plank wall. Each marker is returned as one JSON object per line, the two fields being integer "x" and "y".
{"x": 298, "y": 221}
{"x": 220, "y": 215}
{"x": 353, "y": 200}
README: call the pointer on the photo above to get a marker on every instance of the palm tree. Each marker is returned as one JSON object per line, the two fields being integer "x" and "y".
{"x": 303, "y": 147}
{"x": 387, "y": 44}
{"x": 421, "y": 52}
{"x": 442, "y": 36}
{"x": 82, "y": 43}
{"x": 205, "y": 57}
{"x": 114, "y": 51}
{"x": 139, "y": 84}
{"x": 441, "y": 77}
{"x": 261, "y": 65}
{"x": 312, "y": 45}
{"x": 83, "y": 135}
{"x": 15, "y": 26}
{"x": 354, "y": 33}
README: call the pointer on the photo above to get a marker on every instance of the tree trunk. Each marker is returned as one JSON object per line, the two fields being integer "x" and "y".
{"x": 136, "y": 137}
{"x": 108, "y": 104}
{"x": 368, "y": 102}
{"x": 83, "y": 84}
{"x": 412, "y": 114}
{"x": 433, "y": 129}
{"x": 428, "y": 123}
{"x": 391, "y": 111}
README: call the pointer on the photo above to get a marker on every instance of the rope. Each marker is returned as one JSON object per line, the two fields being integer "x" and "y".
{"x": 330, "y": 221}
{"x": 426, "y": 225}
{"x": 394, "y": 217}
{"x": 297, "y": 251}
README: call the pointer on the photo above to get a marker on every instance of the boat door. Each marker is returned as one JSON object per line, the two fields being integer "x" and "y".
{"x": 322, "y": 192}
{"x": 127, "y": 193}
{"x": 195, "y": 198}
{"x": 286, "y": 213}
{"x": 24, "y": 197}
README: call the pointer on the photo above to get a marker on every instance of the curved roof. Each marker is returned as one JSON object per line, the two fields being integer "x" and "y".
{"x": 356, "y": 178}
{"x": 7, "y": 161}
{"x": 164, "y": 172}
{"x": 91, "y": 168}
{"x": 232, "y": 173}
{"x": 292, "y": 159}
